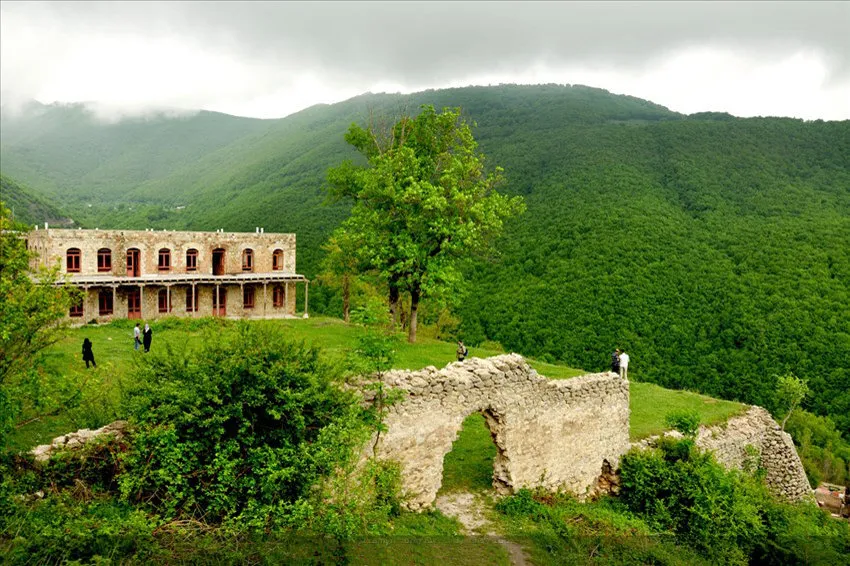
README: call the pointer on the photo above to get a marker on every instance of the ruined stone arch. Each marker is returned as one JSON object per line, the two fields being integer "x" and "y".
{"x": 551, "y": 433}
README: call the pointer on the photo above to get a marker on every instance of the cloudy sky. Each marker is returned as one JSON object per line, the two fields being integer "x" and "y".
{"x": 269, "y": 59}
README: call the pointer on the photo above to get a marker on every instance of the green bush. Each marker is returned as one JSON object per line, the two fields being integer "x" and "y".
{"x": 685, "y": 421}
{"x": 240, "y": 431}
{"x": 727, "y": 516}
{"x": 60, "y": 529}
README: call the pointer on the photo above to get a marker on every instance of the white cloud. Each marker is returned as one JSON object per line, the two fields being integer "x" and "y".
{"x": 270, "y": 59}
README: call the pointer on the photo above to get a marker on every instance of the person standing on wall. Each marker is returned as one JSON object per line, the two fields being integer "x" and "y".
{"x": 462, "y": 351}
{"x": 148, "y": 336}
{"x": 615, "y": 361}
{"x": 624, "y": 365}
{"x": 137, "y": 337}
{"x": 88, "y": 355}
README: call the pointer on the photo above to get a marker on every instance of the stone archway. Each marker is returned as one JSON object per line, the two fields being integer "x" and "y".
{"x": 550, "y": 433}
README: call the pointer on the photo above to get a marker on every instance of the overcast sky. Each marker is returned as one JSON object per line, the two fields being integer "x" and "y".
{"x": 269, "y": 59}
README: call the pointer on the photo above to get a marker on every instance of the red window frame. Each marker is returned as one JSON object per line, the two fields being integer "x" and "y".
{"x": 278, "y": 296}
{"x": 164, "y": 300}
{"x": 105, "y": 305}
{"x": 192, "y": 260}
{"x": 248, "y": 260}
{"x": 248, "y": 297}
{"x": 72, "y": 260}
{"x": 104, "y": 260}
{"x": 277, "y": 260}
{"x": 164, "y": 263}
{"x": 191, "y": 299}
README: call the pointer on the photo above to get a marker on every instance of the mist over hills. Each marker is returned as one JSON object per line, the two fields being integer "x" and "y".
{"x": 714, "y": 249}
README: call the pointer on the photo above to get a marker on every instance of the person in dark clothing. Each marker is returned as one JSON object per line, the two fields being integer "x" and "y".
{"x": 147, "y": 336}
{"x": 615, "y": 361}
{"x": 88, "y": 355}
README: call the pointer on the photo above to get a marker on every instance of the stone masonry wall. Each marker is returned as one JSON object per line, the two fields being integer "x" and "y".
{"x": 775, "y": 448}
{"x": 52, "y": 244}
{"x": 550, "y": 433}
{"x": 754, "y": 437}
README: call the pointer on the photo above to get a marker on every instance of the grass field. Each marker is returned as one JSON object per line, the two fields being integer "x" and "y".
{"x": 116, "y": 358}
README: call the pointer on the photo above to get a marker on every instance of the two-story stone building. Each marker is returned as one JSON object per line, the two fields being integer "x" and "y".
{"x": 150, "y": 274}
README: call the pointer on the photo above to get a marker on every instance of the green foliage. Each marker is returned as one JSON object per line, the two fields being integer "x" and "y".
{"x": 727, "y": 516}
{"x": 61, "y": 529}
{"x": 423, "y": 202}
{"x": 557, "y": 529}
{"x": 28, "y": 208}
{"x": 239, "y": 431}
{"x": 31, "y": 318}
{"x": 823, "y": 451}
{"x": 790, "y": 392}
{"x": 685, "y": 421}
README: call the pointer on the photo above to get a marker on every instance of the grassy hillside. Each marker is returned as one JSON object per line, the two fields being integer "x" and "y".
{"x": 113, "y": 347}
{"x": 713, "y": 249}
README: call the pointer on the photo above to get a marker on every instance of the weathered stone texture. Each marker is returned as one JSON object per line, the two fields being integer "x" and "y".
{"x": 77, "y": 440}
{"x": 51, "y": 246}
{"x": 757, "y": 433}
{"x": 550, "y": 433}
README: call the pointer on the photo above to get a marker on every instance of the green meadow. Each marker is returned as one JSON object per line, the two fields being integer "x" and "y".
{"x": 96, "y": 399}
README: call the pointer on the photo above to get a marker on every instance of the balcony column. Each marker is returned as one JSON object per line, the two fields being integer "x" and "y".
{"x": 265, "y": 298}
{"x": 306, "y": 294}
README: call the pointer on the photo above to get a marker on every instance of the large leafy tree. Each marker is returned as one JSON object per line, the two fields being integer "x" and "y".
{"x": 422, "y": 202}
{"x": 31, "y": 313}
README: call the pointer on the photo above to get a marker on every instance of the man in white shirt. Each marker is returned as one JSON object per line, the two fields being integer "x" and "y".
{"x": 137, "y": 333}
{"x": 624, "y": 365}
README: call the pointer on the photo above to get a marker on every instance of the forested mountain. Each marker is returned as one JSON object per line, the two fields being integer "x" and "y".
{"x": 68, "y": 152}
{"x": 714, "y": 249}
{"x": 29, "y": 208}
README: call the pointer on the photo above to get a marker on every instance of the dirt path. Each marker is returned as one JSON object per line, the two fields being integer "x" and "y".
{"x": 471, "y": 510}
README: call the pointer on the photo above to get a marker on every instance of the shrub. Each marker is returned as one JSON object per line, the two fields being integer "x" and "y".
{"x": 239, "y": 431}
{"x": 685, "y": 421}
{"x": 727, "y": 516}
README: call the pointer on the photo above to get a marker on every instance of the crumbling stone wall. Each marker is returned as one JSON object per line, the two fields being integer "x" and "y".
{"x": 549, "y": 433}
{"x": 774, "y": 449}
{"x": 751, "y": 439}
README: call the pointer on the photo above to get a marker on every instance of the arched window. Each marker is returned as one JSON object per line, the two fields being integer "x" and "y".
{"x": 278, "y": 296}
{"x": 248, "y": 260}
{"x": 164, "y": 263}
{"x": 72, "y": 261}
{"x": 191, "y": 259}
{"x": 104, "y": 259}
{"x": 277, "y": 260}
{"x": 218, "y": 261}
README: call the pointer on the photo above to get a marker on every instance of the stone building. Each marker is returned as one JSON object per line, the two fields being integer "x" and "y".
{"x": 151, "y": 274}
